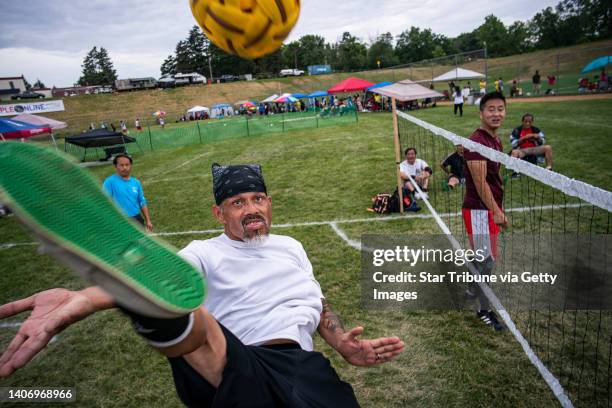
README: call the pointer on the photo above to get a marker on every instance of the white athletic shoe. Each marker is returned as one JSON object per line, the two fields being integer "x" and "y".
{"x": 421, "y": 196}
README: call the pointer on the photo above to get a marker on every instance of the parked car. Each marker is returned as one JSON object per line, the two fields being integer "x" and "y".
{"x": 228, "y": 78}
{"x": 291, "y": 72}
{"x": 28, "y": 95}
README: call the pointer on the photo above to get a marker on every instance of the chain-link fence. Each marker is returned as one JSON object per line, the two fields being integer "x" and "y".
{"x": 154, "y": 136}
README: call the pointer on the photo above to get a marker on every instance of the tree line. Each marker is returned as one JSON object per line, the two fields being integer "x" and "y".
{"x": 569, "y": 22}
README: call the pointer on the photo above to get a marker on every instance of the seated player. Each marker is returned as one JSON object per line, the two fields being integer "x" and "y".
{"x": 418, "y": 169}
{"x": 455, "y": 162}
{"x": 528, "y": 143}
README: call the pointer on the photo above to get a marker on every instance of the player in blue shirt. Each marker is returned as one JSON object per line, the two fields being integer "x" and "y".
{"x": 126, "y": 191}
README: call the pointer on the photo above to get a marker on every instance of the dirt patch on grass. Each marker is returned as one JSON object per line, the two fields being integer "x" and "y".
{"x": 561, "y": 98}
{"x": 550, "y": 98}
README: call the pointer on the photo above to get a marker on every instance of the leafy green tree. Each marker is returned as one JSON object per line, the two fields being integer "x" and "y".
{"x": 351, "y": 53}
{"x": 97, "y": 68}
{"x": 382, "y": 50}
{"x": 312, "y": 50}
{"x": 545, "y": 28}
{"x": 198, "y": 49}
{"x": 466, "y": 42}
{"x": 168, "y": 67}
{"x": 331, "y": 54}
{"x": 414, "y": 45}
{"x": 89, "y": 74}
{"x": 39, "y": 84}
{"x": 519, "y": 38}
{"x": 292, "y": 55}
{"x": 443, "y": 43}
{"x": 107, "y": 75}
{"x": 495, "y": 34}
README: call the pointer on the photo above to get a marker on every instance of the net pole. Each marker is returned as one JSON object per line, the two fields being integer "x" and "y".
{"x": 397, "y": 155}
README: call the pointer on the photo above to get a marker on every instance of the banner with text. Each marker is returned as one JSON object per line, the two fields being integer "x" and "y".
{"x": 32, "y": 107}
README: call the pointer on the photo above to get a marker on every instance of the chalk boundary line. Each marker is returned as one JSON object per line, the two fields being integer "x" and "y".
{"x": 332, "y": 223}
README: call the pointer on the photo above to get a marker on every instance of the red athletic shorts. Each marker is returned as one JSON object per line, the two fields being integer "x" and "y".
{"x": 482, "y": 230}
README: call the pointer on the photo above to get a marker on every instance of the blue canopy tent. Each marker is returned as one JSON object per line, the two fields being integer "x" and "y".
{"x": 318, "y": 94}
{"x": 379, "y": 85}
{"x": 15, "y": 129}
{"x": 300, "y": 95}
{"x": 221, "y": 109}
{"x": 597, "y": 63}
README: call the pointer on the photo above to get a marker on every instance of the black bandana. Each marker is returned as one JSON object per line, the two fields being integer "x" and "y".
{"x": 231, "y": 180}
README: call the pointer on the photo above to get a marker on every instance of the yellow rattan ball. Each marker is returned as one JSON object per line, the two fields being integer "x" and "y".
{"x": 247, "y": 28}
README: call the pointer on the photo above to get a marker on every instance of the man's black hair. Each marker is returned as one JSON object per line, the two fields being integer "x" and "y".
{"x": 490, "y": 97}
{"x": 116, "y": 159}
{"x": 527, "y": 115}
{"x": 409, "y": 149}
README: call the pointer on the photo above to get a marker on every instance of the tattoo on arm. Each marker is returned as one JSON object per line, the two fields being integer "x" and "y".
{"x": 331, "y": 321}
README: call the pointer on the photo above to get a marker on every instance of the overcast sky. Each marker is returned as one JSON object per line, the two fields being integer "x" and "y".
{"x": 48, "y": 39}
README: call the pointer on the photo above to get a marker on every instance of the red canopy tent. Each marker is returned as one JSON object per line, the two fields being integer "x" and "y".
{"x": 351, "y": 84}
{"x": 14, "y": 129}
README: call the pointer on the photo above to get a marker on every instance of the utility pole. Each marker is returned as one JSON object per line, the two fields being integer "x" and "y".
{"x": 210, "y": 67}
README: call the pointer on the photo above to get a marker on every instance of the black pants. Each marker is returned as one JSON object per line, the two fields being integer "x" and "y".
{"x": 139, "y": 219}
{"x": 460, "y": 107}
{"x": 281, "y": 375}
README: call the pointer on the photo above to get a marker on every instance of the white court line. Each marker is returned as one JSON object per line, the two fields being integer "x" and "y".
{"x": 382, "y": 218}
{"x": 173, "y": 179}
{"x": 178, "y": 167}
{"x": 11, "y": 245}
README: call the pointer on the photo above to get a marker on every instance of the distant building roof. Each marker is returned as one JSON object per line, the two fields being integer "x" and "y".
{"x": 139, "y": 79}
{"x": 7, "y": 78}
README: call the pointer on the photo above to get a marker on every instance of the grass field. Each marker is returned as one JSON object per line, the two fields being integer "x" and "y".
{"x": 314, "y": 176}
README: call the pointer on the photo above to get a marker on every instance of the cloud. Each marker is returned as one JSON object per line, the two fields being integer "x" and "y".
{"x": 140, "y": 35}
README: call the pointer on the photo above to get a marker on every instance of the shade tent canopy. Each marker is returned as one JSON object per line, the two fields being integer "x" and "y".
{"x": 38, "y": 120}
{"x": 379, "y": 85}
{"x": 456, "y": 74}
{"x": 350, "y": 84}
{"x": 300, "y": 95}
{"x": 14, "y": 129}
{"x": 597, "y": 63}
{"x": 198, "y": 108}
{"x": 286, "y": 97}
{"x": 270, "y": 98}
{"x": 222, "y": 105}
{"x": 99, "y": 138}
{"x": 407, "y": 90}
{"x": 318, "y": 94}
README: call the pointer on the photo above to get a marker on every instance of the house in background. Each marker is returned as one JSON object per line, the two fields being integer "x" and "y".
{"x": 132, "y": 84}
{"x": 10, "y": 86}
{"x": 80, "y": 90}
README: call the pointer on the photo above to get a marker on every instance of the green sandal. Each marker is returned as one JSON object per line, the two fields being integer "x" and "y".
{"x": 65, "y": 208}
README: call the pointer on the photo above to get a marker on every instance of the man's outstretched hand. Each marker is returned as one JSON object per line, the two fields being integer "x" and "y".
{"x": 52, "y": 311}
{"x": 366, "y": 352}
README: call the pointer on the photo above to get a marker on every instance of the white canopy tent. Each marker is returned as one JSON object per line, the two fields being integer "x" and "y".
{"x": 456, "y": 74}
{"x": 198, "y": 108}
{"x": 270, "y": 98}
{"x": 407, "y": 90}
